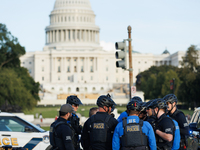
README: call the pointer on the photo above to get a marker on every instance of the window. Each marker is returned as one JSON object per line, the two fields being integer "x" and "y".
{"x": 77, "y": 89}
{"x": 75, "y": 69}
{"x": 106, "y": 68}
{"x": 69, "y": 78}
{"x": 68, "y": 69}
{"x": 59, "y": 69}
{"x": 69, "y": 89}
{"x": 85, "y": 89}
{"x": 23, "y": 62}
{"x": 91, "y": 77}
{"x": 42, "y": 69}
{"x": 42, "y": 78}
{"x": 123, "y": 80}
{"x": 52, "y": 88}
{"x": 42, "y": 60}
{"x": 82, "y": 70}
{"x": 13, "y": 124}
{"x": 102, "y": 88}
{"x": 29, "y": 62}
{"x": 61, "y": 89}
{"x": 29, "y": 71}
{"x": 82, "y": 78}
{"x": 93, "y": 89}
{"x": 58, "y": 78}
{"x": 91, "y": 69}
{"x": 116, "y": 70}
{"x": 107, "y": 78}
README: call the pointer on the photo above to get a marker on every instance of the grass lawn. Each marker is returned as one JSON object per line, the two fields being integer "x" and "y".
{"x": 51, "y": 112}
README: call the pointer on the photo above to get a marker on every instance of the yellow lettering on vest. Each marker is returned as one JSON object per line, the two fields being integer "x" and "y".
{"x": 14, "y": 141}
{"x": 4, "y": 141}
{"x": 98, "y": 125}
{"x": 132, "y": 128}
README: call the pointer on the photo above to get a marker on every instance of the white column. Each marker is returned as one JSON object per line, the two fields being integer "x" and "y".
{"x": 57, "y": 35}
{"x": 50, "y": 36}
{"x": 89, "y": 36}
{"x": 66, "y": 34}
{"x": 46, "y": 37}
{"x": 62, "y": 35}
{"x": 53, "y": 36}
{"x": 75, "y": 36}
{"x": 71, "y": 35}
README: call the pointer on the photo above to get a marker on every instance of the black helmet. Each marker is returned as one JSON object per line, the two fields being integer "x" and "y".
{"x": 170, "y": 98}
{"x": 134, "y": 105}
{"x": 73, "y": 99}
{"x": 143, "y": 107}
{"x": 136, "y": 98}
{"x": 105, "y": 100}
{"x": 148, "y": 104}
{"x": 160, "y": 103}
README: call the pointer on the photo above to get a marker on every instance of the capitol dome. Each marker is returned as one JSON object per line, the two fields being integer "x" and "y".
{"x": 72, "y": 26}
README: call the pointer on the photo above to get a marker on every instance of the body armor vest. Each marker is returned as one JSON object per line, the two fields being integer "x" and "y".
{"x": 133, "y": 138}
{"x": 160, "y": 141}
{"x": 54, "y": 140}
{"x": 99, "y": 130}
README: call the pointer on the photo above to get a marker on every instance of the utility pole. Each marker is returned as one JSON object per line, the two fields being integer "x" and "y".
{"x": 130, "y": 62}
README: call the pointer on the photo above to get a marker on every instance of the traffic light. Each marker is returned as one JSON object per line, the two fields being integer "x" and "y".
{"x": 122, "y": 54}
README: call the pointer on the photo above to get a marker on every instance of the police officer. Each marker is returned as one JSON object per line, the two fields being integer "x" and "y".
{"x": 151, "y": 118}
{"x": 98, "y": 129}
{"x": 133, "y": 133}
{"x": 165, "y": 128}
{"x": 179, "y": 116}
{"x": 125, "y": 114}
{"x": 74, "y": 120}
{"x": 61, "y": 133}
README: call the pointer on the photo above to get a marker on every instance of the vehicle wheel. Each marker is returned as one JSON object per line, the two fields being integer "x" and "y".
{"x": 49, "y": 147}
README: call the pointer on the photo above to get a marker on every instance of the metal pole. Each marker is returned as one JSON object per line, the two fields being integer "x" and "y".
{"x": 130, "y": 62}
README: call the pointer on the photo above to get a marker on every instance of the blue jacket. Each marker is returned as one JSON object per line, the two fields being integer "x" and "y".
{"x": 122, "y": 115}
{"x": 147, "y": 129}
{"x": 177, "y": 136}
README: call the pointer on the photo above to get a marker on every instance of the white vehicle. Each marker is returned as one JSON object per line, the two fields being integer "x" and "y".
{"x": 19, "y": 133}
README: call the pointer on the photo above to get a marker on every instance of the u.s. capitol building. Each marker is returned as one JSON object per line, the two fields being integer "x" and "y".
{"x": 72, "y": 61}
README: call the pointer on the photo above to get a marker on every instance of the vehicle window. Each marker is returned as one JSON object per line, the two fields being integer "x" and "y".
{"x": 196, "y": 117}
{"x": 193, "y": 116}
{"x": 12, "y": 124}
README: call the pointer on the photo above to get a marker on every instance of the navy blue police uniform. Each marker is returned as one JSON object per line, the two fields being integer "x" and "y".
{"x": 180, "y": 118}
{"x": 98, "y": 129}
{"x": 74, "y": 120}
{"x": 164, "y": 124}
{"x": 61, "y": 133}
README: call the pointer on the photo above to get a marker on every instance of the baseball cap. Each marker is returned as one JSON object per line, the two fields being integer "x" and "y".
{"x": 67, "y": 108}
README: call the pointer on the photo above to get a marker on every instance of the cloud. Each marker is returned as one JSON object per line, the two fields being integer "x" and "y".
{"x": 108, "y": 46}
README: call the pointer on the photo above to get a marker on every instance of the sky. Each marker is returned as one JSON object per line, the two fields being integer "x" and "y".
{"x": 156, "y": 24}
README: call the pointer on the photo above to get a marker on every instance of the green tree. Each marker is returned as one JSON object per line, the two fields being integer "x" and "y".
{"x": 190, "y": 76}
{"x": 155, "y": 82}
{"x": 13, "y": 91}
{"x": 17, "y": 87}
{"x": 10, "y": 49}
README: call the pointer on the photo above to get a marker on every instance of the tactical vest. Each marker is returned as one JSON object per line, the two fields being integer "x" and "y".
{"x": 161, "y": 144}
{"x": 183, "y": 138}
{"x": 133, "y": 137}
{"x": 54, "y": 140}
{"x": 99, "y": 130}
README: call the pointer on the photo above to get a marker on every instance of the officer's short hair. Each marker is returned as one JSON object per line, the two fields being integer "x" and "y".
{"x": 133, "y": 112}
{"x": 93, "y": 111}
